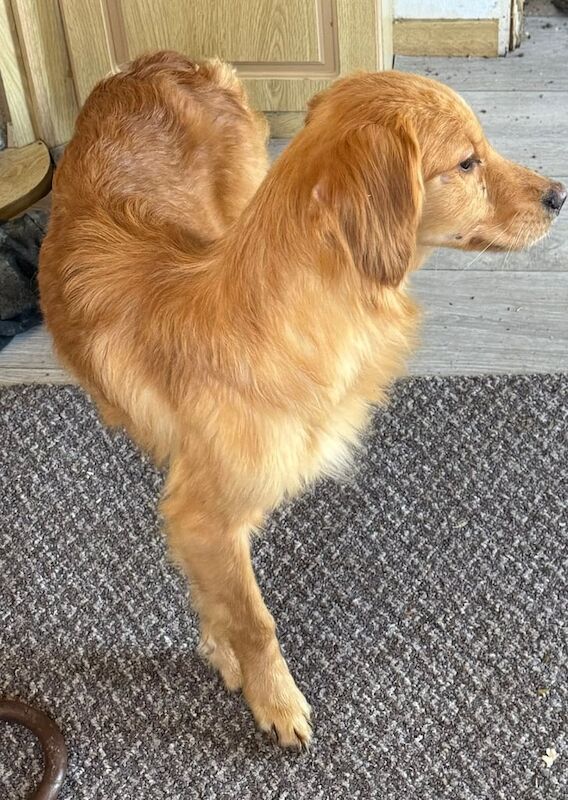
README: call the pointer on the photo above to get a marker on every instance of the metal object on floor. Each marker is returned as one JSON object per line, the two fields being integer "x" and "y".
{"x": 52, "y": 744}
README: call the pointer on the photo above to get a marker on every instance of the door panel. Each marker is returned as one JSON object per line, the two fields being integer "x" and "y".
{"x": 265, "y": 32}
{"x": 284, "y": 50}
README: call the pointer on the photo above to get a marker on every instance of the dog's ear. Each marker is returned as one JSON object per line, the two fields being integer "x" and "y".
{"x": 371, "y": 190}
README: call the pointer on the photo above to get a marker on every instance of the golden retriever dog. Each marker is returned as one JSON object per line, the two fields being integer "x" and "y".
{"x": 242, "y": 326}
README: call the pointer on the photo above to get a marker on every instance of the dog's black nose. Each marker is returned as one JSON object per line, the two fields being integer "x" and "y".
{"x": 553, "y": 199}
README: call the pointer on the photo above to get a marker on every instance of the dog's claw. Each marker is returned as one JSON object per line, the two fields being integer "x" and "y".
{"x": 304, "y": 743}
{"x": 279, "y": 708}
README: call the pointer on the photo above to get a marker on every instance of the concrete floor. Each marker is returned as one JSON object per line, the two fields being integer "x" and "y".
{"x": 488, "y": 313}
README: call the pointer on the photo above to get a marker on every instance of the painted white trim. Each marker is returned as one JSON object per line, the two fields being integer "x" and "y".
{"x": 504, "y": 25}
{"x": 448, "y": 9}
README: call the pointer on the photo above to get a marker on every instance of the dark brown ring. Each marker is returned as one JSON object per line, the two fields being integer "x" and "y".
{"x": 52, "y": 744}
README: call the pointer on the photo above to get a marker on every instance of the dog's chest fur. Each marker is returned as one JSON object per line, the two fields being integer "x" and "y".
{"x": 328, "y": 393}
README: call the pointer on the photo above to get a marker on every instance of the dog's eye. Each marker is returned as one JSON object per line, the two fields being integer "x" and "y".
{"x": 468, "y": 164}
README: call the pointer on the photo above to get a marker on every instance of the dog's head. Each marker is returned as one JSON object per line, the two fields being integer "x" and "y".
{"x": 400, "y": 163}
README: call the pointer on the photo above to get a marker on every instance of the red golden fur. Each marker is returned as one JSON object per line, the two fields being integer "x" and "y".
{"x": 242, "y": 329}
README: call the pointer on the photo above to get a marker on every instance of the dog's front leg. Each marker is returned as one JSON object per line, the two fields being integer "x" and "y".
{"x": 238, "y": 632}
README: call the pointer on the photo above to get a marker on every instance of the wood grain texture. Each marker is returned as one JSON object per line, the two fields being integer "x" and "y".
{"x": 89, "y": 44}
{"x": 287, "y": 94}
{"x": 285, "y": 123}
{"x": 298, "y": 42}
{"x": 20, "y": 123}
{"x": 361, "y": 32}
{"x": 44, "y": 50}
{"x": 357, "y": 29}
{"x": 446, "y": 37}
{"x": 25, "y": 176}
{"x": 480, "y": 322}
{"x": 539, "y": 63}
{"x": 529, "y": 127}
{"x": 29, "y": 358}
{"x": 266, "y": 31}
{"x": 285, "y": 51}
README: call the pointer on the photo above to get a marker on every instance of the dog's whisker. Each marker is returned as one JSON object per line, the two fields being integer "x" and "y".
{"x": 473, "y": 261}
{"x": 499, "y": 231}
{"x": 520, "y": 233}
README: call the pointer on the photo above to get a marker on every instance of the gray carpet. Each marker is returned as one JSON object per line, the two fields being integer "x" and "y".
{"x": 422, "y": 607}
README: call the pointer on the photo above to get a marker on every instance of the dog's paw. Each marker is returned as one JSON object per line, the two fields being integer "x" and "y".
{"x": 280, "y": 708}
{"x": 222, "y": 658}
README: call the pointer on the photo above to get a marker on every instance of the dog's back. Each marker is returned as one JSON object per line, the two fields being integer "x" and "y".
{"x": 165, "y": 156}
{"x": 167, "y": 141}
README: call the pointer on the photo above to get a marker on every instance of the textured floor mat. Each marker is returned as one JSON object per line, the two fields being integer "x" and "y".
{"x": 421, "y": 606}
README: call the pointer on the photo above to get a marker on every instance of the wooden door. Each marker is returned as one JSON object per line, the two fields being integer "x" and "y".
{"x": 285, "y": 50}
